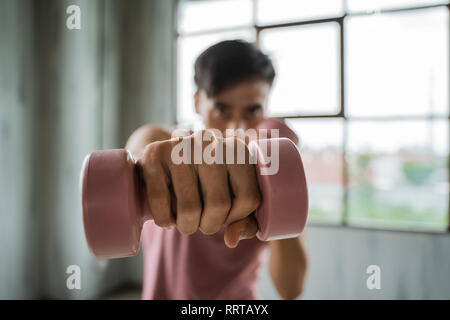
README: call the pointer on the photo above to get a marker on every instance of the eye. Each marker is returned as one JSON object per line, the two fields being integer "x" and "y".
{"x": 222, "y": 110}
{"x": 254, "y": 110}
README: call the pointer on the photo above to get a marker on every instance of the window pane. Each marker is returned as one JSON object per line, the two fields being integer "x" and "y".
{"x": 306, "y": 60}
{"x": 397, "y": 64}
{"x": 213, "y": 14}
{"x": 188, "y": 50}
{"x": 321, "y": 150}
{"x": 279, "y": 11}
{"x": 398, "y": 174}
{"x": 370, "y": 5}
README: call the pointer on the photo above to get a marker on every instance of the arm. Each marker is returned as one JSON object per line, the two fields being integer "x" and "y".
{"x": 143, "y": 136}
{"x": 287, "y": 266}
{"x": 287, "y": 257}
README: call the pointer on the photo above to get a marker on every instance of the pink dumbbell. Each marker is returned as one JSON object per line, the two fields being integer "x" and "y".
{"x": 115, "y": 206}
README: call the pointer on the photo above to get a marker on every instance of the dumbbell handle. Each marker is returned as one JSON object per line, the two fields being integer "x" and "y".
{"x": 115, "y": 206}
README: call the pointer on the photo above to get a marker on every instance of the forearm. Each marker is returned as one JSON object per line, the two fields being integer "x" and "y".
{"x": 287, "y": 266}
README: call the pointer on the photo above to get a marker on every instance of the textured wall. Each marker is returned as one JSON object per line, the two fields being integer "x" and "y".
{"x": 68, "y": 81}
{"x": 20, "y": 251}
{"x": 63, "y": 94}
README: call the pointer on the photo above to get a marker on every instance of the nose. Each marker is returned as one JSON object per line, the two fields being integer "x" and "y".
{"x": 239, "y": 129}
{"x": 237, "y": 124}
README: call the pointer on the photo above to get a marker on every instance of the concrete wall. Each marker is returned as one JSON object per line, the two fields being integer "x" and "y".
{"x": 63, "y": 94}
{"x": 20, "y": 251}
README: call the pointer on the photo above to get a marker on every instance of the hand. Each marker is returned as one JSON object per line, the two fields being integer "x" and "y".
{"x": 202, "y": 196}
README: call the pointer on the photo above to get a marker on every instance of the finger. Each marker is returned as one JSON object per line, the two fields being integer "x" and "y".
{"x": 216, "y": 197}
{"x": 215, "y": 190}
{"x": 185, "y": 185}
{"x": 242, "y": 229}
{"x": 157, "y": 185}
{"x": 243, "y": 182}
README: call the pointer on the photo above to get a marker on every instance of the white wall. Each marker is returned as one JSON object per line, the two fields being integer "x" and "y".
{"x": 413, "y": 265}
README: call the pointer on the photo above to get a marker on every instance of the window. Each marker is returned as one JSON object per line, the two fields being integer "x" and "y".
{"x": 410, "y": 47}
{"x": 398, "y": 180}
{"x": 365, "y": 84}
{"x": 314, "y": 65}
{"x": 323, "y": 159}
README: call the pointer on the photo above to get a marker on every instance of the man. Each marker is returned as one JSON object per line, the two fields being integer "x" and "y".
{"x": 202, "y": 242}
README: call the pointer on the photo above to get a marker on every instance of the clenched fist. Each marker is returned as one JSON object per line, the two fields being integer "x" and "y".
{"x": 202, "y": 194}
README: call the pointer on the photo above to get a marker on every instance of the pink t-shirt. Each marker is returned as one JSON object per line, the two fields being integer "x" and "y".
{"x": 198, "y": 266}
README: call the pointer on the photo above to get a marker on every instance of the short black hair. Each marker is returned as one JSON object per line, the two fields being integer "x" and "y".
{"x": 230, "y": 62}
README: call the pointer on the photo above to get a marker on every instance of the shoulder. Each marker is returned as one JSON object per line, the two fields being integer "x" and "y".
{"x": 152, "y": 133}
{"x": 144, "y": 135}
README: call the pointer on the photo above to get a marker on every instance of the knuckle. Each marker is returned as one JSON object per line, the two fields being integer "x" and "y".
{"x": 152, "y": 153}
{"x": 180, "y": 150}
{"x": 212, "y": 134}
{"x": 174, "y": 142}
{"x": 232, "y": 140}
{"x": 251, "y": 201}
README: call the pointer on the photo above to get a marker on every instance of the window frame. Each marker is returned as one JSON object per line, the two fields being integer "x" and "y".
{"x": 340, "y": 20}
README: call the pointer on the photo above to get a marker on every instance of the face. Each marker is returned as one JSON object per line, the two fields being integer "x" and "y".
{"x": 241, "y": 106}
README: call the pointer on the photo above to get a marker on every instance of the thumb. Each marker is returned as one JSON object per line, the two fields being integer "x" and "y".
{"x": 238, "y": 230}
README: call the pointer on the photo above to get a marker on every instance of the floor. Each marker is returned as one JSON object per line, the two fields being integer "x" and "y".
{"x": 127, "y": 293}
